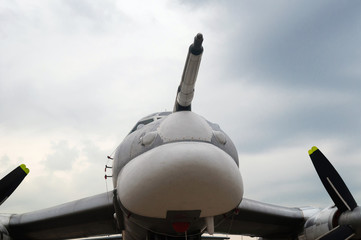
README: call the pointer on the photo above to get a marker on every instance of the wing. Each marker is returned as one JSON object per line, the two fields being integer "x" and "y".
{"x": 263, "y": 220}
{"x": 86, "y": 217}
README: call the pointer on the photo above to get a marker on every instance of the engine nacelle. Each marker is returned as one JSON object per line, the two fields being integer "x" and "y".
{"x": 4, "y": 235}
{"x": 320, "y": 223}
{"x": 4, "y": 223}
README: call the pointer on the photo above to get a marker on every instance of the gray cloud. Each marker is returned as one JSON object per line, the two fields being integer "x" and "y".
{"x": 301, "y": 45}
{"x": 62, "y": 157}
{"x": 4, "y": 160}
{"x": 94, "y": 154}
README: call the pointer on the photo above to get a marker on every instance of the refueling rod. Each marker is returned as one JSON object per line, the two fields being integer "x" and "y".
{"x": 186, "y": 88}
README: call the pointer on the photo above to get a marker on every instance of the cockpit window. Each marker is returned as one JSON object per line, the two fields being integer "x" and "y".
{"x": 141, "y": 123}
{"x": 164, "y": 114}
{"x": 148, "y": 119}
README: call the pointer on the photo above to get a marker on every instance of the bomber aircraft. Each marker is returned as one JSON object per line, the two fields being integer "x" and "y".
{"x": 176, "y": 176}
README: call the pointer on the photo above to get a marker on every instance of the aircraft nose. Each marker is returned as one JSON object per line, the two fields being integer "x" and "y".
{"x": 180, "y": 176}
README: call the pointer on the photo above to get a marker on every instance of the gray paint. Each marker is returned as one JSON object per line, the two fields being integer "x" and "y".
{"x": 81, "y": 218}
{"x": 132, "y": 146}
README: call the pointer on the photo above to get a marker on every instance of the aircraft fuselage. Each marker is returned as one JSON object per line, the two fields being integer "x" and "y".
{"x": 178, "y": 168}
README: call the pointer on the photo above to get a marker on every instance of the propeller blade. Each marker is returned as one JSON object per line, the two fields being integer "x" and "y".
{"x": 338, "y": 233}
{"x": 332, "y": 181}
{"x": 10, "y": 182}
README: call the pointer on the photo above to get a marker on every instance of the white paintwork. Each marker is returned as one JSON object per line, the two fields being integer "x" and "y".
{"x": 181, "y": 176}
{"x": 185, "y": 125}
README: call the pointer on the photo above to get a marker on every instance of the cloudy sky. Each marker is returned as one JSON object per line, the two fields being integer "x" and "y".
{"x": 277, "y": 76}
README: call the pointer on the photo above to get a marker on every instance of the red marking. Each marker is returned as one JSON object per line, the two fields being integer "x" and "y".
{"x": 236, "y": 211}
{"x": 180, "y": 227}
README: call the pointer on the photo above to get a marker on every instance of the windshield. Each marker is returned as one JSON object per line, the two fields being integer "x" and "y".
{"x": 148, "y": 119}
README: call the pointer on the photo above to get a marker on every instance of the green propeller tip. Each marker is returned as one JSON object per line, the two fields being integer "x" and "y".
{"x": 312, "y": 150}
{"x": 24, "y": 168}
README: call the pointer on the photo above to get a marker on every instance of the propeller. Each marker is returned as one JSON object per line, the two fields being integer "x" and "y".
{"x": 350, "y": 216}
{"x": 339, "y": 232}
{"x": 10, "y": 182}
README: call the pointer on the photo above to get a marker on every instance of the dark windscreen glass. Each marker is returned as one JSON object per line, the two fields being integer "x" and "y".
{"x": 144, "y": 122}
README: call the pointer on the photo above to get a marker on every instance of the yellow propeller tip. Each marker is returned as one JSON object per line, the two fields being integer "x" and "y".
{"x": 24, "y": 168}
{"x": 312, "y": 150}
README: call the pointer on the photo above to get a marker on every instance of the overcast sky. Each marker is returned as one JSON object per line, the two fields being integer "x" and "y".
{"x": 277, "y": 76}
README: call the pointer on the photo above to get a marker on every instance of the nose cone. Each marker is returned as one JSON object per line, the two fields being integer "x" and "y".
{"x": 181, "y": 176}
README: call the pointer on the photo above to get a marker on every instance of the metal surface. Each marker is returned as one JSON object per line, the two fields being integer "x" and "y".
{"x": 82, "y": 218}
{"x": 320, "y": 223}
{"x": 181, "y": 176}
{"x": 186, "y": 88}
{"x": 254, "y": 218}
